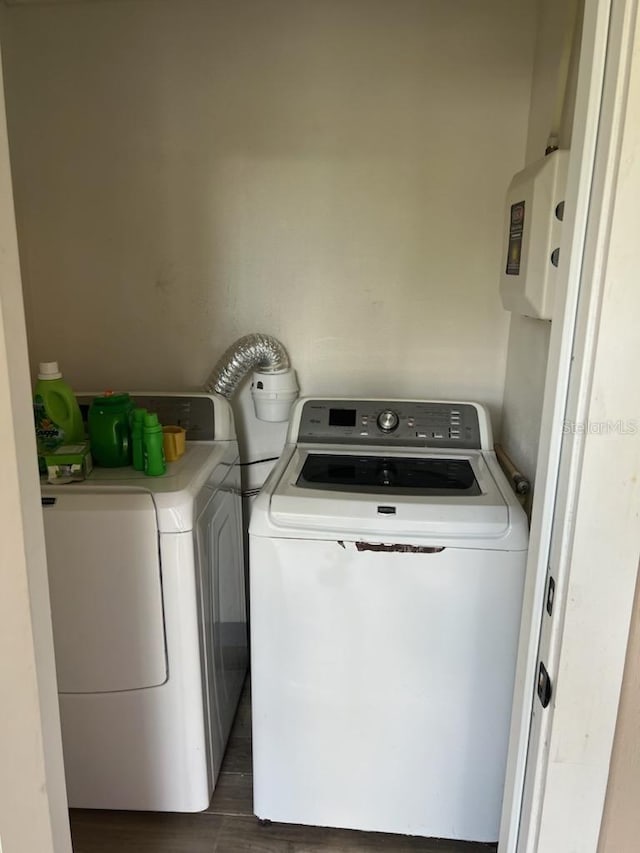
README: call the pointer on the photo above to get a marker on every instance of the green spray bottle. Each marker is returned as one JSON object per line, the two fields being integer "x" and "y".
{"x": 152, "y": 442}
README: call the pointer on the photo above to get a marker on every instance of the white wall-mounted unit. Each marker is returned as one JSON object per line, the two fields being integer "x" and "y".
{"x": 533, "y": 225}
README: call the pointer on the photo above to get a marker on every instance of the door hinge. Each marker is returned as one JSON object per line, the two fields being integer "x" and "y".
{"x": 551, "y": 592}
{"x": 544, "y": 685}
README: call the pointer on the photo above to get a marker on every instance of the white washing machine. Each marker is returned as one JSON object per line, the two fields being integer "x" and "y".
{"x": 147, "y": 593}
{"x": 387, "y": 559}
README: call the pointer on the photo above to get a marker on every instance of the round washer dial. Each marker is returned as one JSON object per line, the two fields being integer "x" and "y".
{"x": 388, "y": 420}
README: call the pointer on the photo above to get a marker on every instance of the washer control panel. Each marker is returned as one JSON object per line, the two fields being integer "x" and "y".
{"x": 405, "y": 424}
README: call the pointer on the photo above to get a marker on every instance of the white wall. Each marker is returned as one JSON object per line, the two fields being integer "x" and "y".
{"x": 33, "y": 805}
{"x": 328, "y": 171}
{"x": 554, "y": 81}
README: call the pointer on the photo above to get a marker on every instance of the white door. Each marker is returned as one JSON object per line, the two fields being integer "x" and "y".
{"x": 106, "y": 592}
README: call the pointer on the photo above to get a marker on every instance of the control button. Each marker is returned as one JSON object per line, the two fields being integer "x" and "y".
{"x": 388, "y": 420}
{"x": 421, "y": 435}
{"x": 411, "y": 423}
{"x": 364, "y": 421}
{"x": 455, "y": 412}
{"x": 437, "y": 435}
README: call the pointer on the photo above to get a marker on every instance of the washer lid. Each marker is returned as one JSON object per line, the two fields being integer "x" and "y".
{"x": 456, "y": 497}
{"x": 387, "y": 475}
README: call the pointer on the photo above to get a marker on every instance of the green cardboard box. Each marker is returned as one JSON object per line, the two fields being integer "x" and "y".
{"x": 69, "y": 463}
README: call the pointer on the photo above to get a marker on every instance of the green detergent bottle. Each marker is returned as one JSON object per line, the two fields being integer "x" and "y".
{"x": 56, "y": 412}
{"x": 137, "y": 439}
{"x": 153, "y": 446}
{"x": 109, "y": 424}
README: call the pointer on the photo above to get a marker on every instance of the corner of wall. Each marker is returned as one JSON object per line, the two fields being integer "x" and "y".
{"x": 553, "y": 91}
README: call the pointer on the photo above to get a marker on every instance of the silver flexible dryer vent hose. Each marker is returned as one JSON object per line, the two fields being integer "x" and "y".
{"x": 246, "y": 354}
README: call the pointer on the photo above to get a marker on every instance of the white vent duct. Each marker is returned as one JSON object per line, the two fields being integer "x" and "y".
{"x": 274, "y": 386}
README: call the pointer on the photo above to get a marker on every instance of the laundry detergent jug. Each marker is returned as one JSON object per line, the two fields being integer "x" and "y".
{"x": 56, "y": 412}
{"x": 109, "y": 424}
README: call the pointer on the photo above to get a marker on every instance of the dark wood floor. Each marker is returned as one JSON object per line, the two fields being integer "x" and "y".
{"x": 228, "y": 825}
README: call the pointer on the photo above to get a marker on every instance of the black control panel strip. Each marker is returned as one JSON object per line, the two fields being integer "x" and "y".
{"x": 195, "y": 414}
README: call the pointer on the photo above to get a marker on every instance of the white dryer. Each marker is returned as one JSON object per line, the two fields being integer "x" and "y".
{"x": 147, "y": 593}
{"x": 387, "y": 558}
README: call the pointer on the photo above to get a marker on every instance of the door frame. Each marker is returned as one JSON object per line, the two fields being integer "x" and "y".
{"x": 559, "y": 756}
{"x": 33, "y": 801}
